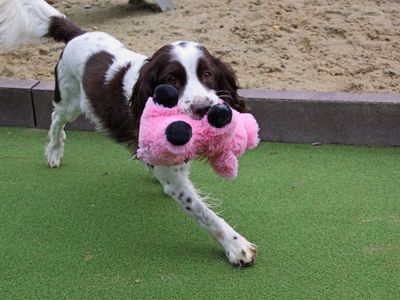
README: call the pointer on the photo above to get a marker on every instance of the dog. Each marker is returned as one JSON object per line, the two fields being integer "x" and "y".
{"x": 97, "y": 76}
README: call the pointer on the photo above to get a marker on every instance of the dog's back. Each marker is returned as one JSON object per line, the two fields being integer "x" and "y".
{"x": 95, "y": 76}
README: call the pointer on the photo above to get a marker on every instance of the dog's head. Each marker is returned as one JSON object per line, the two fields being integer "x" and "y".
{"x": 200, "y": 78}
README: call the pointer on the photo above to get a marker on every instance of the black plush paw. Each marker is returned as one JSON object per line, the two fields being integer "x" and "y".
{"x": 178, "y": 133}
{"x": 219, "y": 115}
{"x": 166, "y": 95}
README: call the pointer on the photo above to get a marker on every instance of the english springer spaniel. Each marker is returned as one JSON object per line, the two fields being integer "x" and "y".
{"x": 97, "y": 76}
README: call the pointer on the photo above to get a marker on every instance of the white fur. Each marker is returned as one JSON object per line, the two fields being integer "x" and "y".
{"x": 28, "y": 20}
{"x": 194, "y": 91}
{"x": 122, "y": 58}
{"x": 131, "y": 76}
{"x": 23, "y": 21}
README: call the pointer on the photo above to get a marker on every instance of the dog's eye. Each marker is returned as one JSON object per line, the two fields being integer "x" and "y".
{"x": 171, "y": 79}
{"x": 207, "y": 75}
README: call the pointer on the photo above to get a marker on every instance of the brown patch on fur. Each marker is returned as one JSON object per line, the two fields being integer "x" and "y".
{"x": 220, "y": 235}
{"x": 61, "y": 29}
{"x": 57, "y": 95}
{"x": 107, "y": 98}
{"x": 182, "y": 44}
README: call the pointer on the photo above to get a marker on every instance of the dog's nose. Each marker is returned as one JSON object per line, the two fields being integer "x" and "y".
{"x": 200, "y": 109}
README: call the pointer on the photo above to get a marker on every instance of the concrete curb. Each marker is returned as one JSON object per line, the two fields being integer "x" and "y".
{"x": 283, "y": 116}
{"x": 16, "y": 106}
{"x": 328, "y": 118}
{"x": 42, "y": 97}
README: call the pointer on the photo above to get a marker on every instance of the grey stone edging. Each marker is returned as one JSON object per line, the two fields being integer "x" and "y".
{"x": 328, "y": 118}
{"x": 283, "y": 116}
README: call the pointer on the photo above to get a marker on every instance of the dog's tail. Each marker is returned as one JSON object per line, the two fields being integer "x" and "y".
{"x": 26, "y": 21}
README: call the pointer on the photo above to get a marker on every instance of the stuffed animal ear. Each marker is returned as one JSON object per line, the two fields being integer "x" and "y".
{"x": 166, "y": 95}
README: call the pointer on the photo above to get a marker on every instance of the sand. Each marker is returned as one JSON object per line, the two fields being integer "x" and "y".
{"x": 323, "y": 45}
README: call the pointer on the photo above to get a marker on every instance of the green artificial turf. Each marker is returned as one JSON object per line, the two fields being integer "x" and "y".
{"x": 326, "y": 221}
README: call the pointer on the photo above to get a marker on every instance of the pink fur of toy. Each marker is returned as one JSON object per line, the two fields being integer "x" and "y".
{"x": 222, "y": 146}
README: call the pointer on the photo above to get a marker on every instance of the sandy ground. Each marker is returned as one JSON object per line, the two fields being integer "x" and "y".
{"x": 324, "y": 45}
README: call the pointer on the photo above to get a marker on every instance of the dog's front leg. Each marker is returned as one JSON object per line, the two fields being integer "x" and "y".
{"x": 177, "y": 184}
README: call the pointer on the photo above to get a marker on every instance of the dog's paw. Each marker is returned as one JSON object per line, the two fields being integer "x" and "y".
{"x": 241, "y": 252}
{"x": 54, "y": 162}
{"x": 54, "y": 157}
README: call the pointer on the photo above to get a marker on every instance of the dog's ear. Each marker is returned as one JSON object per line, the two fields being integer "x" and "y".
{"x": 142, "y": 90}
{"x": 227, "y": 82}
{"x": 146, "y": 83}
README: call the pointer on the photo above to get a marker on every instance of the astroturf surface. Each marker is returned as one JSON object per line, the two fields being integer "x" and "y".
{"x": 326, "y": 221}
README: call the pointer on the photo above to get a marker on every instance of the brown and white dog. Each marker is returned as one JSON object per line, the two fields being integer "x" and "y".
{"x": 97, "y": 76}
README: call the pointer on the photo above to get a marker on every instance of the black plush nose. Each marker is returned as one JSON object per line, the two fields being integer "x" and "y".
{"x": 219, "y": 115}
{"x": 166, "y": 95}
{"x": 178, "y": 133}
{"x": 200, "y": 110}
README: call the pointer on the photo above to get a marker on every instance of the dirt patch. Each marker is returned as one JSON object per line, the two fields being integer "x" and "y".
{"x": 324, "y": 45}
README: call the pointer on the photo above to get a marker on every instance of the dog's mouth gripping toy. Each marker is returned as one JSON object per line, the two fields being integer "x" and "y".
{"x": 169, "y": 137}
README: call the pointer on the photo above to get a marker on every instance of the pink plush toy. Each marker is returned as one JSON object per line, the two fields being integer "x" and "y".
{"x": 169, "y": 137}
